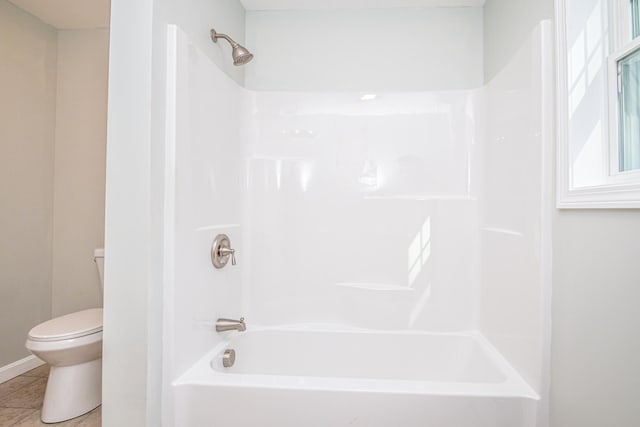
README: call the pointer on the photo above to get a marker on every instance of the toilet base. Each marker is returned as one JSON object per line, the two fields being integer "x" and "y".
{"x": 72, "y": 391}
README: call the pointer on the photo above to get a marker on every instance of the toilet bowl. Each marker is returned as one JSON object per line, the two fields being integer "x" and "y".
{"x": 72, "y": 346}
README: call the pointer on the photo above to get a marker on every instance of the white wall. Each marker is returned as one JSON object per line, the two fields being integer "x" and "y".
{"x": 507, "y": 24}
{"x": 372, "y": 49}
{"x": 205, "y": 197}
{"x": 348, "y": 166}
{"x": 360, "y": 212}
{"x": 135, "y": 204}
{"x": 81, "y": 119}
{"x": 205, "y": 190}
{"x": 27, "y": 129}
{"x": 516, "y": 209}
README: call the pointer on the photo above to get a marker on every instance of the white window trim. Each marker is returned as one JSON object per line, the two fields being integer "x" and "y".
{"x": 620, "y": 13}
{"x": 621, "y": 190}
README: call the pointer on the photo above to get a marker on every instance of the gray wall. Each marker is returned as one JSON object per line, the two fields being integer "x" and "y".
{"x": 27, "y": 133}
{"x": 53, "y": 98}
{"x": 595, "y": 345}
{"x": 595, "y": 349}
{"x": 81, "y": 136}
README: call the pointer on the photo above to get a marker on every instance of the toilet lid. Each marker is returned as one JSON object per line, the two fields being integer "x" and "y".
{"x": 69, "y": 326}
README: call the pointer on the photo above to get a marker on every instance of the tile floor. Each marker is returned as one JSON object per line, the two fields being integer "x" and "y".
{"x": 21, "y": 400}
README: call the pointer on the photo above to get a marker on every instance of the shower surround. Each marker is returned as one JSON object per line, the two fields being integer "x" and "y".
{"x": 393, "y": 250}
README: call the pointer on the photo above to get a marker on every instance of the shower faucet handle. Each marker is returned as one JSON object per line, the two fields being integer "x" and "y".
{"x": 221, "y": 251}
{"x": 227, "y": 252}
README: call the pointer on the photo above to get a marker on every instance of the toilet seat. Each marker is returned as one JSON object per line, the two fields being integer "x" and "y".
{"x": 69, "y": 326}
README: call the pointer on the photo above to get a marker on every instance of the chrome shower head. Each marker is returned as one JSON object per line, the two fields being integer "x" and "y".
{"x": 240, "y": 54}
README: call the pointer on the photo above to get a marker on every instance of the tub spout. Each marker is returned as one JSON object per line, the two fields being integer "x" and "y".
{"x": 223, "y": 325}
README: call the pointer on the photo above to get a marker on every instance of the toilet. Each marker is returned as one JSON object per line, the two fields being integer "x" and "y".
{"x": 72, "y": 346}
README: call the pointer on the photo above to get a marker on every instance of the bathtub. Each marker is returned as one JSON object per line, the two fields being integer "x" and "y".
{"x": 305, "y": 376}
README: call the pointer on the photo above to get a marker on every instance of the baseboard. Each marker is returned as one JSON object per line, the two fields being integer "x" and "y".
{"x": 19, "y": 367}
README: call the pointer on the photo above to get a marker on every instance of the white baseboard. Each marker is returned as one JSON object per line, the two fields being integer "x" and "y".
{"x": 19, "y": 367}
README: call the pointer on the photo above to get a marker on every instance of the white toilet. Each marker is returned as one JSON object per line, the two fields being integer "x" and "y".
{"x": 72, "y": 346}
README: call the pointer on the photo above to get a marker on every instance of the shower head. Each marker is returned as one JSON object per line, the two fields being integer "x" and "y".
{"x": 240, "y": 54}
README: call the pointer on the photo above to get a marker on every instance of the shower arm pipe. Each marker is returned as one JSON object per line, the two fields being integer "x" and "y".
{"x": 215, "y": 36}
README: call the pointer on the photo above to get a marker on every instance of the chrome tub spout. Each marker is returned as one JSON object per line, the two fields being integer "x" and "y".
{"x": 223, "y": 325}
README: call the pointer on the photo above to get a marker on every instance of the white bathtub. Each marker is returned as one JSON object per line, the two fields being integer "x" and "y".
{"x": 316, "y": 377}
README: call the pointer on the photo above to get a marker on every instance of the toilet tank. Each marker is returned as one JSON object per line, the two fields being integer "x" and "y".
{"x": 98, "y": 257}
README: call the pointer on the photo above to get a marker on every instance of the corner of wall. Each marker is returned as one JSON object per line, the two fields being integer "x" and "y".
{"x": 506, "y": 25}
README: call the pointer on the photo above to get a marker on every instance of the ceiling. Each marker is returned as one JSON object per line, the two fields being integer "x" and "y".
{"x": 353, "y": 4}
{"x": 69, "y": 14}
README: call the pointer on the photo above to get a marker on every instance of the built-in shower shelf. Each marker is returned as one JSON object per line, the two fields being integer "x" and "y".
{"x": 218, "y": 227}
{"x": 419, "y": 197}
{"x": 375, "y": 286}
{"x": 506, "y": 231}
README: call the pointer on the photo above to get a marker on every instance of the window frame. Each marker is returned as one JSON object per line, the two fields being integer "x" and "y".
{"x": 614, "y": 83}
{"x": 635, "y": 18}
{"x": 618, "y": 189}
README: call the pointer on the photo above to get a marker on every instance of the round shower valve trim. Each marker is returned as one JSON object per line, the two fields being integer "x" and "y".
{"x": 221, "y": 251}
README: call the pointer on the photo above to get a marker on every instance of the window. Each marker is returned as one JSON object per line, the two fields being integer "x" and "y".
{"x": 629, "y": 100}
{"x": 624, "y": 97}
{"x": 598, "y": 136}
{"x": 628, "y": 94}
